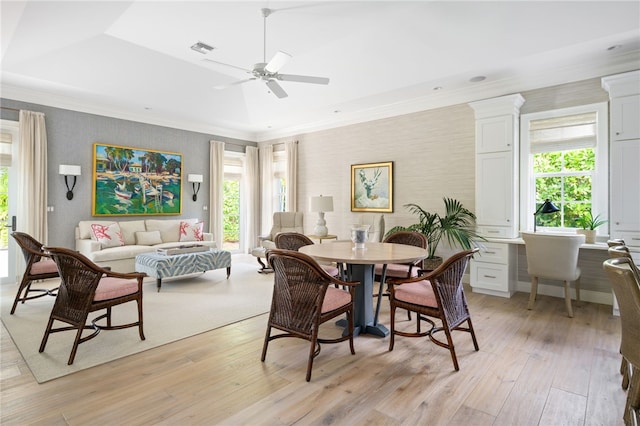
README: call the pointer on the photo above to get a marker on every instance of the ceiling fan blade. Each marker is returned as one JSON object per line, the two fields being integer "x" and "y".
{"x": 228, "y": 65}
{"x": 276, "y": 89}
{"x": 277, "y": 62}
{"x": 303, "y": 78}
{"x": 224, "y": 86}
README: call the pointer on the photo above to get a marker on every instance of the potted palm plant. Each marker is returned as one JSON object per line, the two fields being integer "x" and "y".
{"x": 588, "y": 225}
{"x": 457, "y": 226}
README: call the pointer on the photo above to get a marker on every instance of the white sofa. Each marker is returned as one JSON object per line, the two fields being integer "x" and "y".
{"x": 122, "y": 258}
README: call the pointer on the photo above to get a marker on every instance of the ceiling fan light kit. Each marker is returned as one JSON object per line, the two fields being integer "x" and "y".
{"x": 268, "y": 71}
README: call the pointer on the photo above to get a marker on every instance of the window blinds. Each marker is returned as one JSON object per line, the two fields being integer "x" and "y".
{"x": 563, "y": 133}
{"x": 5, "y": 149}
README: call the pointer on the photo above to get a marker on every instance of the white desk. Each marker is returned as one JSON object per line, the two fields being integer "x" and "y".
{"x": 361, "y": 266}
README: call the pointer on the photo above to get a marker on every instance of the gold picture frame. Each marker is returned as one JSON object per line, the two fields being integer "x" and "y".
{"x": 372, "y": 187}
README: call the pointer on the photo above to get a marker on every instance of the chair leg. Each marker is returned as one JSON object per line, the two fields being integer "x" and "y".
{"x": 473, "y": 335}
{"x": 266, "y": 344}
{"x": 393, "y": 327}
{"x": 140, "y": 327}
{"x": 633, "y": 395}
{"x": 47, "y": 330}
{"x": 312, "y": 353}
{"x": 624, "y": 370}
{"x": 452, "y": 348}
{"x": 76, "y": 342}
{"x": 567, "y": 298}
{"x": 383, "y": 277}
{"x": 24, "y": 287}
{"x": 534, "y": 291}
{"x": 578, "y": 289}
{"x": 350, "y": 325}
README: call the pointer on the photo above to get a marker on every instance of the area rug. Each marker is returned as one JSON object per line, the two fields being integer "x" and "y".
{"x": 184, "y": 307}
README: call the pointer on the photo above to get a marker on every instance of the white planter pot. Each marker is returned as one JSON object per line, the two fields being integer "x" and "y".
{"x": 589, "y": 234}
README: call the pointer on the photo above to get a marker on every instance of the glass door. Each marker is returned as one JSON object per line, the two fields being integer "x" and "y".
{"x": 8, "y": 188}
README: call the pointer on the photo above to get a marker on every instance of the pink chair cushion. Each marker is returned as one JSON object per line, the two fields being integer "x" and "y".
{"x": 418, "y": 293}
{"x": 396, "y": 270}
{"x": 46, "y": 266}
{"x": 110, "y": 288}
{"x": 331, "y": 270}
{"x": 334, "y": 299}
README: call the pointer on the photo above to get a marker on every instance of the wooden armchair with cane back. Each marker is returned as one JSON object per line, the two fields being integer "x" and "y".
{"x": 85, "y": 288}
{"x": 39, "y": 267}
{"x": 438, "y": 294}
{"x": 304, "y": 298}
{"x": 295, "y": 240}
{"x": 626, "y": 286}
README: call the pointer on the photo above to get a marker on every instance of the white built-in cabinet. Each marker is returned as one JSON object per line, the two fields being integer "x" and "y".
{"x": 493, "y": 270}
{"x": 624, "y": 160}
{"x": 624, "y": 152}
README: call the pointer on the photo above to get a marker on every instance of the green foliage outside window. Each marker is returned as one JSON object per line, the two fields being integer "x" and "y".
{"x": 231, "y": 212}
{"x": 566, "y": 178}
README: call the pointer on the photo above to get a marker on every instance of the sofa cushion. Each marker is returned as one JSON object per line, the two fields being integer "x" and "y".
{"x": 118, "y": 253}
{"x": 148, "y": 238}
{"x": 169, "y": 228}
{"x": 84, "y": 228}
{"x": 129, "y": 229}
{"x": 108, "y": 235}
{"x": 191, "y": 231}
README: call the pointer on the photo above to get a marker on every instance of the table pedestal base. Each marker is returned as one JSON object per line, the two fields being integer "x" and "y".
{"x": 363, "y": 318}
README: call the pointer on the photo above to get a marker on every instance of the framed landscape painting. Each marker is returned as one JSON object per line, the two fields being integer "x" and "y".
{"x": 133, "y": 181}
{"x": 372, "y": 187}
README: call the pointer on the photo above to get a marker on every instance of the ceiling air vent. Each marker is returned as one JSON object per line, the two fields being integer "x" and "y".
{"x": 201, "y": 47}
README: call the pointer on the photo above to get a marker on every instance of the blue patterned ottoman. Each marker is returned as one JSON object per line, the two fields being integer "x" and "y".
{"x": 161, "y": 266}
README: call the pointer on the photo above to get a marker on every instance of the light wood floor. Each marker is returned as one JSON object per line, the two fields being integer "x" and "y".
{"x": 534, "y": 368}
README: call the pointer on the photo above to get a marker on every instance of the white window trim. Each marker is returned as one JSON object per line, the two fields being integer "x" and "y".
{"x": 600, "y": 195}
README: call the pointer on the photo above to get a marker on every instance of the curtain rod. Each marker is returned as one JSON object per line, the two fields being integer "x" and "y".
{"x": 10, "y": 109}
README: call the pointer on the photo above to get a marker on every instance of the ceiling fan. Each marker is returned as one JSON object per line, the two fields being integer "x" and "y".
{"x": 268, "y": 71}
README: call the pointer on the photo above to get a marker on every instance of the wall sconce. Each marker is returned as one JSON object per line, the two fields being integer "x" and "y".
{"x": 321, "y": 205}
{"x": 546, "y": 207}
{"x": 69, "y": 170}
{"x": 195, "y": 179}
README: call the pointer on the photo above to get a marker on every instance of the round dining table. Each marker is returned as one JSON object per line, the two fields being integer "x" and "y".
{"x": 361, "y": 266}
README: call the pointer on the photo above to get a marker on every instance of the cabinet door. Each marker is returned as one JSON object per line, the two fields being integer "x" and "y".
{"x": 625, "y": 187}
{"x": 494, "y": 134}
{"x": 494, "y": 189}
{"x": 625, "y": 118}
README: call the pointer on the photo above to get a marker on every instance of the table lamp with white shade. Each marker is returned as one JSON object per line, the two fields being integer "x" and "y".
{"x": 321, "y": 205}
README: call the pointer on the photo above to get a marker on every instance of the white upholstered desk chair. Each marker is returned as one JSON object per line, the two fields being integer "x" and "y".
{"x": 555, "y": 257}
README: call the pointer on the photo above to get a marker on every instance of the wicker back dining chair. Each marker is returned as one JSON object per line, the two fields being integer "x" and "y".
{"x": 437, "y": 294}
{"x": 614, "y": 251}
{"x": 398, "y": 270}
{"x": 304, "y": 298}
{"x": 626, "y": 287}
{"x": 39, "y": 267}
{"x": 295, "y": 240}
{"x": 85, "y": 288}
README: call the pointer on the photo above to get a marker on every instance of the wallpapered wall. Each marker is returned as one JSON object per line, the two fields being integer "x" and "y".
{"x": 70, "y": 139}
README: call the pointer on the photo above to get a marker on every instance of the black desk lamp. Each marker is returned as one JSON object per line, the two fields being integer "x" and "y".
{"x": 546, "y": 207}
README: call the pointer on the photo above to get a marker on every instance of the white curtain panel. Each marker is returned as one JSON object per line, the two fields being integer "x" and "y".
{"x": 266, "y": 188}
{"x": 291, "y": 152}
{"x": 32, "y": 176}
{"x": 216, "y": 190}
{"x": 252, "y": 197}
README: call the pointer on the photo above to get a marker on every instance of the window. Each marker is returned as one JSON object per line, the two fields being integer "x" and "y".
{"x": 564, "y": 159}
{"x": 232, "y": 201}
{"x": 279, "y": 181}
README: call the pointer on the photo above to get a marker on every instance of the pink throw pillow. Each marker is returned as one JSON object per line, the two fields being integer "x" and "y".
{"x": 191, "y": 232}
{"x": 108, "y": 235}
